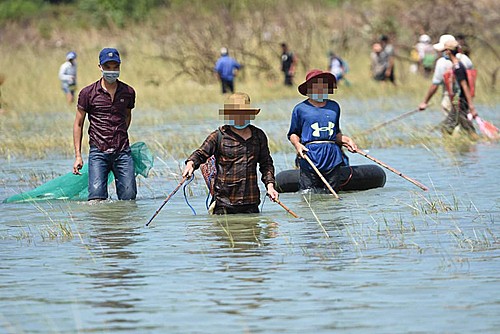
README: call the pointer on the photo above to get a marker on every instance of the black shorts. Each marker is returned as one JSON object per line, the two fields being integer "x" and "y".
{"x": 311, "y": 180}
{"x": 222, "y": 209}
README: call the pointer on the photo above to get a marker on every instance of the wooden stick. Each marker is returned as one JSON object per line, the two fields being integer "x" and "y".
{"x": 167, "y": 199}
{"x": 285, "y": 207}
{"x": 397, "y": 118}
{"x": 418, "y": 184}
{"x": 321, "y": 176}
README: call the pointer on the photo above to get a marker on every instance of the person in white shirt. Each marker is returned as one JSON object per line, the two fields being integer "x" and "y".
{"x": 67, "y": 76}
{"x": 443, "y": 64}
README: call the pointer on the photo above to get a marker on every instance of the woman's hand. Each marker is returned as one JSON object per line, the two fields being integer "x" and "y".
{"x": 273, "y": 194}
{"x": 349, "y": 143}
{"x": 301, "y": 149}
{"x": 188, "y": 170}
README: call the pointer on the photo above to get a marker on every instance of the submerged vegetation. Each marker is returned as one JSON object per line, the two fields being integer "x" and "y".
{"x": 431, "y": 214}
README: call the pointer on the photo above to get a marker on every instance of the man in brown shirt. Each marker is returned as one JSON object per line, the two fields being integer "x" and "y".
{"x": 238, "y": 147}
{"x": 108, "y": 103}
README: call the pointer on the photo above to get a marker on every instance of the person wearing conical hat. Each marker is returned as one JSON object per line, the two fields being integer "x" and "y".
{"x": 315, "y": 131}
{"x": 238, "y": 147}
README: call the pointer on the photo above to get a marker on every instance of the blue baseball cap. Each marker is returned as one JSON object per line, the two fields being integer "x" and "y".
{"x": 71, "y": 55}
{"x": 109, "y": 54}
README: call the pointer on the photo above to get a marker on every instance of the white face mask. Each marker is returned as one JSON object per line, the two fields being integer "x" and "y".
{"x": 110, "y": 76}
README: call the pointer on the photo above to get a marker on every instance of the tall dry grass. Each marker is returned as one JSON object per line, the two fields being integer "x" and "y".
{"x": 169, "y": 61}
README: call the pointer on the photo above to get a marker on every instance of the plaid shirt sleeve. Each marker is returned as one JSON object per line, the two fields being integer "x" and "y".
{"x": 206, "y": 150}
{"x": 266, "y": 165}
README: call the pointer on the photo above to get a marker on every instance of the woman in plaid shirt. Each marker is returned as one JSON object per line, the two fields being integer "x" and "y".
{"x": 238, "y": 147}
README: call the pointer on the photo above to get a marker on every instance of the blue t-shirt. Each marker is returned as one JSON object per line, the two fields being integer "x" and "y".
{"x": 311, "y": 124}
{"x": 225, "y": 66}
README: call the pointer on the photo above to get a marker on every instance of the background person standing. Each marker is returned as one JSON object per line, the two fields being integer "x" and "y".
{"x": 459, "y": 81}
{"x": 377, "y": 62}
{"x": 337, "y": 66}
{"x": 108, "y": 103}
{"x": 443, "y": 65}
{"x": 226, "y": 69}
{"x": 67, "y": 76}
{"x": 288, "y": 64}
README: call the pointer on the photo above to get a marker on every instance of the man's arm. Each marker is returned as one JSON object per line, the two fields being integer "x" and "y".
{"x": 430, "y": 93}
{"x": 201, "y": 155}
{"x": 295, "y": 140}
{"x": 346, "y": 141}
{"x": 77, "y": 139}
{"x": 390, "y": 66}
{"x": 128, "y": 117}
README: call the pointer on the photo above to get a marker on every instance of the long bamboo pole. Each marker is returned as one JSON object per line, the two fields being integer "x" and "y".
{"x": 321, "y": 176}
{"x": 395, "y": 171}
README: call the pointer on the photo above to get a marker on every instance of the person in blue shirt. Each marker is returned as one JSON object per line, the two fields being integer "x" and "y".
{"x": 226, "y": 69}
{"x": 315, "y": 131}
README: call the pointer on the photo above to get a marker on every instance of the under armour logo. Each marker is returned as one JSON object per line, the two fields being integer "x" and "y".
{"x": 317, "y": 129}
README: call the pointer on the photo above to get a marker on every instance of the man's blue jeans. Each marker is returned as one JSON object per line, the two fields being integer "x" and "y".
{"x": 122, "y": 166}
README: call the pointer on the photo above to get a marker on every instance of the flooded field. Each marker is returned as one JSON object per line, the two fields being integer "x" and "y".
{"x": 387, "y": 260}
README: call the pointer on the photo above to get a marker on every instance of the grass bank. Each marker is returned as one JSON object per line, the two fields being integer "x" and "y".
{"x": 169, "y": 64}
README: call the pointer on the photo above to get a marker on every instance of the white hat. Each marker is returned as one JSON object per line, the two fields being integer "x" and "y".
{"x": 442, "y": 40}
{"x": 223, "y": 51}
{"x": 424, "y": 39}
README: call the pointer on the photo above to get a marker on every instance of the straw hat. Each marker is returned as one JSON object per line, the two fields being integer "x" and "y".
{"x": 316, "y": 74}
{"x": 238, "y": 104}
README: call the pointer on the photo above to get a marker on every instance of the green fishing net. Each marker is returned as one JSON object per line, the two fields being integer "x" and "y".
{"x": 75, "y": 187}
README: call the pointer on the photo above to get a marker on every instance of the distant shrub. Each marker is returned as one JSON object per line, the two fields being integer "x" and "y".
{"x": 11, "y": 10}
{"x": 118, "y": 12}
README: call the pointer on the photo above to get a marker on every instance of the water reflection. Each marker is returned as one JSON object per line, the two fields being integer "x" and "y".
{"x": 243, "y": 232}
{"x": 113, "y": 235}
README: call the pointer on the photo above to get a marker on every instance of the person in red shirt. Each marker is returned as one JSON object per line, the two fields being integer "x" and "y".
{"x": 108, "y": 103}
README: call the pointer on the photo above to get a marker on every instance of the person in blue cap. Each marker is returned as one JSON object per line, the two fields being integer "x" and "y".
{"x": 67, "y": 76}
{"x": 108, "y": 102}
